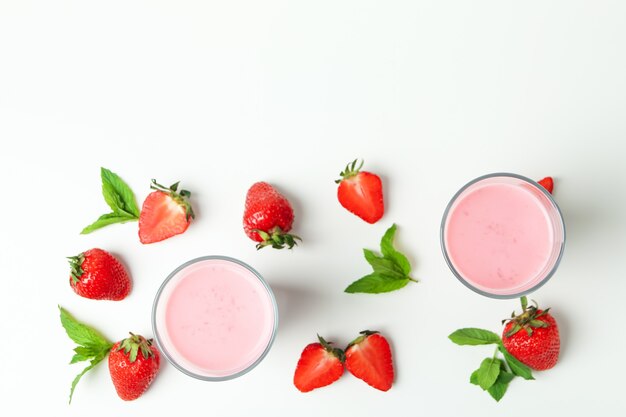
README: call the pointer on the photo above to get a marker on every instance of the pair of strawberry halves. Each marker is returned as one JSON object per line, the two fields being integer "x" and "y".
{"x": 368, "y": 357}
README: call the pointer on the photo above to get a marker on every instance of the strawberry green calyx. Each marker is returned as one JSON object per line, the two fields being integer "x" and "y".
{"x": 134, "y": 344}
{"x": 277, "y": 239}
{"x": 528, "y": 319}
{"x": 350, "y": 170}
{"x": 364, "y": 334}
{"x": 336, "y": 352}
{"x": 76, "y": 270}
{"x": 181, "y": 197}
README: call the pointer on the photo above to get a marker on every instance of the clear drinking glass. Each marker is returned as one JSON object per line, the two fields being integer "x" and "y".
{"x": 502, "y": 235}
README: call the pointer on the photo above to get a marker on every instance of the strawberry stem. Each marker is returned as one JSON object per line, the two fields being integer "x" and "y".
{"x": 350, "y": 170}
{"x": 180, "y": 197}
{"x": 76, "y": 270}
{"x": 134, "y": 344}
{"x": 276, "y": 238}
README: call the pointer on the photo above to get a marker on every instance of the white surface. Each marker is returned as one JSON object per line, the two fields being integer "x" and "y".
{"x": 221, "y": 94}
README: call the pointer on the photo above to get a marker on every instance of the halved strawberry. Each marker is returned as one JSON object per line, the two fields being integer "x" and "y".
{"x": 547, "y": 183}
{"x": 368, "y": 357}
{"x": 361, "y": 193}
{"x": 320, "y": 364}
{"x": 165, "y": 213}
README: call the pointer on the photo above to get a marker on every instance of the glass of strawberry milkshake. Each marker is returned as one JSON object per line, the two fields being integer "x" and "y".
{"x": 502, "y": 235}
{"x": 214, "y": 318}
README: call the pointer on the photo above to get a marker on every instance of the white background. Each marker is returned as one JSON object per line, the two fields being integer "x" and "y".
{"x": 221, "y": 94}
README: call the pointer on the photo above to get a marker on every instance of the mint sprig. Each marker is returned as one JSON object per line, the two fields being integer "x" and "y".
{"x": 119, "y": 197}
{"x": 390, "y": 270}
{"x": 92, "y": 346}
{"x": 494, "y": 374}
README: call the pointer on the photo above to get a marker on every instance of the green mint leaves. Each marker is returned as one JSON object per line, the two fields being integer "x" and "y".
{"x": 494, "y": 374}
{"x": 391, "y": 270}
{"x": 474, "y": 337}
{"x": 119, "y": 197}
{"x": 92, "y": 346}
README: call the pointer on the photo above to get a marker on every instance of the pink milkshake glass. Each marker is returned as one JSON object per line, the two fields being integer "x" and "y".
{"x": 214, "y": 318}
{"x": 502, "y": 235}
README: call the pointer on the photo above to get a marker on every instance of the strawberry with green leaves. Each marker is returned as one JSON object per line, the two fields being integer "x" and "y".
{"x": 98, "y": 275}
{"x": 133, "y": 365}
{"x": 361, "y": 193}
{"x": 368, "y": 357}
{"x": 529, "y": 340}
{"x": 165, "y": 212}
{"x": 391, "y": 269}
{"x": 320, "y": 364}
{"x": 133, "y": 362}
{"x": 532, "y": 337}
{"x": 268, "y": 217}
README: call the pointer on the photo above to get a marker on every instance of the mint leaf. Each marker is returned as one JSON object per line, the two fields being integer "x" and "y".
{"x": 498, "y": 389}
{"x": 516, "y": 366}
{"x": 488, "y": 372}
{"x": 92, "y": 347}
{"x": 118, "y": 194}
{"x": 105, "y": 220}
{"x": 80, "y": 333}
{"x": 389, "y": 252}
{"x": 391, "y": 270}
{"x": 376, "y": 283}
{"x": 474, "y": 377}
{"x": 473, "y": 337}
{"x": 119, "y": 197}
{"x": 383, "y": 265}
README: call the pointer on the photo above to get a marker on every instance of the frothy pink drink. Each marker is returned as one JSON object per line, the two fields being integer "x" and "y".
{"x": 503, "y": 235}
{"x": 215, "y": 318}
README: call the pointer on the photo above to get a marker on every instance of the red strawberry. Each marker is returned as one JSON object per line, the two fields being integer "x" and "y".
{"x": 268, "y": 217}
{"x": 133, "y": 364}
{"x": 547, "y": 183}
{"x": 165, "y": 213}
{"x": 368, "y": 357}
{"x": 539, "y": 344}
{"x": 98, "y": 275}
{"x": 361, "y": 193}
{"x": 320, "y": 364}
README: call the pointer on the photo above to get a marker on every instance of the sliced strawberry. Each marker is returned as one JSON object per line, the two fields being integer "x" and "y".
{"x": 547, "y": 183}
{"x": 320, "y": 364}
{"x": 368, "y": 357}
{"x": 361, "y": 193}
{"x": 165, "y": 213}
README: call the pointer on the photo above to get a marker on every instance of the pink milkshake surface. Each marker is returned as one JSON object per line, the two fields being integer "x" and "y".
{"x": 214, "y": 318}
{"x": 503, "y": 236}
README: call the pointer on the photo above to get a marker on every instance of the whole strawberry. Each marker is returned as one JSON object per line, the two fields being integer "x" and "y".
{"x": 532, "y": 337}
{"x": 268, "y": 217}
{"x": 166, "y": 212}
{"x": 98, "y": 275}
{"x": 319, "y": 365}
{"x": 133, "y": 365}
{"x": 361, "y": 193}
{"x": 368, "y": 357}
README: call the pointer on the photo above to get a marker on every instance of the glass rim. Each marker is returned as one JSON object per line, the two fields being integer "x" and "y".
{"x": 456, "y": 273}
{"x": 167, "y": 354}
